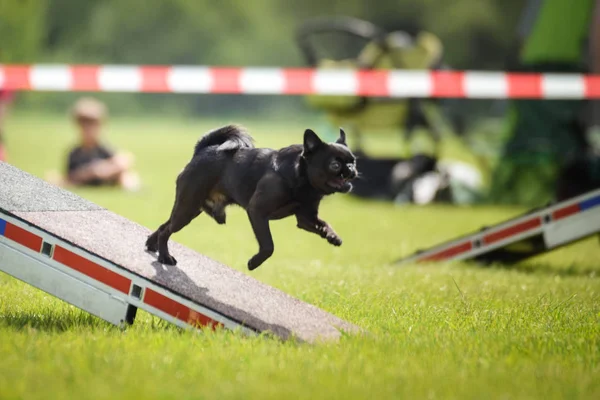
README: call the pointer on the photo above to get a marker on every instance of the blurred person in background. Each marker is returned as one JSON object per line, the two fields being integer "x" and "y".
{"x": 5, "y": 99}
{"x": 91, "y": 162}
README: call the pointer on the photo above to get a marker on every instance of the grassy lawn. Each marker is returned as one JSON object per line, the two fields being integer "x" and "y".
{"x": 438, "y": 332}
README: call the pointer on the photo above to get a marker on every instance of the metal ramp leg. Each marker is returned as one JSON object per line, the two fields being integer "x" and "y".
{"x": 76, "y": 292}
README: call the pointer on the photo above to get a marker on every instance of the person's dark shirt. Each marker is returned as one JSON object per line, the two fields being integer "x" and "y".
{"x": 79, "y": 157}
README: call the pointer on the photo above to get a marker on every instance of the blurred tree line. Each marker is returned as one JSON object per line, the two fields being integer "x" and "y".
{"x": 477, "y": 34}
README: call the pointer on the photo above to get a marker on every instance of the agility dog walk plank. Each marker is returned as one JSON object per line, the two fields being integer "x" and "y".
{"x": 95, "y": 260}
{"x": 535, "y": 232}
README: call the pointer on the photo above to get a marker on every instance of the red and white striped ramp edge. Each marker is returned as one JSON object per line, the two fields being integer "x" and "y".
{"x": 70, "y": 267}
{"x": 559, "y": 224}
{"x": 298, "y": 81}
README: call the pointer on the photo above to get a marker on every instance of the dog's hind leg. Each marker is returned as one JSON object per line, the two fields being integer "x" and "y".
{"x": 192, "y": 191}
{"x": 178, "y": 221}
{"x": 188, "y": 203}
{"x": 152, "y": 241}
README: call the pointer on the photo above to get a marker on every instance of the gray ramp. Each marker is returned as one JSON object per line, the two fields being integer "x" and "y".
{"x": 197, "y": 278}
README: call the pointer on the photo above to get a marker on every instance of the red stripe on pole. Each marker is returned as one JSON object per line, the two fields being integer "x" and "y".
{"x": 592, "y": 86}
{"x": 16, "y": 77}
{"x": 91, "y": 269}
{"x": 155, "y": 79}
{"x": 524, "y": 86}
{"x": 177, "y": 310}
{"x": 298, "y": 81}
{"x": 23, "y": 237}
{"x": 448, "y": 84}
{"x": 565, "y": 211}
{"x": 449, "y": 252}
{"x": 85, "y": 78}
{"x": 373, "y": 83}
{"x": 512, "y": 230}
{"x": 226, "y": 80}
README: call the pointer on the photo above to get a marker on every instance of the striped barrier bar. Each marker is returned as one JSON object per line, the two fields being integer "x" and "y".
{"x": 299, "y": 81}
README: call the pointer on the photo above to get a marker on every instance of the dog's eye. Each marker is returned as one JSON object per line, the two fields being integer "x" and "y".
{"x": 335, "y": 166}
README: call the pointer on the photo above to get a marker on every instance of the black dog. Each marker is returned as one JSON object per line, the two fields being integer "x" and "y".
{"x": 269, "y": 184}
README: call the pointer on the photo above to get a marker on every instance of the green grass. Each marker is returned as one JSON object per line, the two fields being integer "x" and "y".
{"x": 437, "y": 332}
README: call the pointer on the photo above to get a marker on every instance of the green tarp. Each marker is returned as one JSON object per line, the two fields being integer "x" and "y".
{"x": 545, "y": 134}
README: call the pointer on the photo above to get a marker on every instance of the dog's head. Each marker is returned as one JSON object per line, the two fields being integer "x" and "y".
{"x": 330, "y": 166}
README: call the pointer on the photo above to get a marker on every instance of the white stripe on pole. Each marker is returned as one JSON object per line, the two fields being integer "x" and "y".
{"x": 559, "y": 86}
{"x": 51, "y": 77}
{"x": 409, "y": 84}
{"x": 262, "y": 80}
{"x": 335, "y": 82}
{"x": 122, "y": 79}
{"x": 190, "y": 79}
{"x": 486, "y": 85}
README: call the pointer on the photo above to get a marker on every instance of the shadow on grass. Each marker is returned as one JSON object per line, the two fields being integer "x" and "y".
{"x": 572, "y": 271}
{"x": 51, "y": 321}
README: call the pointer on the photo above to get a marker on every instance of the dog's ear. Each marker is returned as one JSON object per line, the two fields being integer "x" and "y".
{"x": 342, "y": 139}
{"x": 311, "y": 141}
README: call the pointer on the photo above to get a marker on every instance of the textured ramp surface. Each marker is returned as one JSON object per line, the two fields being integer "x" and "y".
{"x": 197, "y": 277}
{"x": 20, "y": 191}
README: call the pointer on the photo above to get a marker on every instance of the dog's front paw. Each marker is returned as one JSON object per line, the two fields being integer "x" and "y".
{"x": 255, "y": 262}
{"x": 334, "y": 240}
{"x": 167, "y": 259}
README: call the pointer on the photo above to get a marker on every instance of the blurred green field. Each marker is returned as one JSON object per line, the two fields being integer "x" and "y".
{"x": 438, "y": 332}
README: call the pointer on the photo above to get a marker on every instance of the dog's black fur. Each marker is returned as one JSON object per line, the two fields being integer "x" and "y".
{"x": 269, "y": 184}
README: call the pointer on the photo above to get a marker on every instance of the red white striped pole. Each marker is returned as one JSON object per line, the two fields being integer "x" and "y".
{"x": 299, "y": 81}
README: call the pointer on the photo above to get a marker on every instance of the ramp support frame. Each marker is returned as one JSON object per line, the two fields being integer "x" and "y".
{"x": 538, "y": 231}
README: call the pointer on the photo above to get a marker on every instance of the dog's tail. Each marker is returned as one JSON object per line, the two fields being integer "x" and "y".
{"x": 227, "y": 138}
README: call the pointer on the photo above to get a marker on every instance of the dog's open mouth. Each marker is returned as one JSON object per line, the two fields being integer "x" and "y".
{"x": 340, "y": 184}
